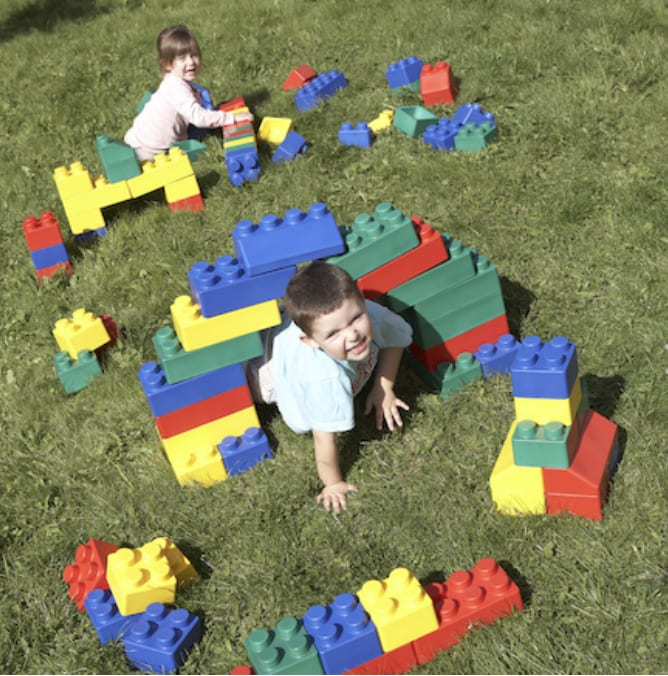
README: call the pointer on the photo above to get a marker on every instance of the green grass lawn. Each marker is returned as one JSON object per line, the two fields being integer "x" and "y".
{"x": 570, "y": 204}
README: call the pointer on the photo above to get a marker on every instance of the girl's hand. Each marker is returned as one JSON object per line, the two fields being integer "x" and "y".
{"x": 334, "y": 496}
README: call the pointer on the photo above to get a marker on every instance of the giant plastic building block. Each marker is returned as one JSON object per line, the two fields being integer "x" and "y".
{"x": 43, "y": 273}
{"x": 107, "y": 620}
{"x": 280, "y": 242}
{"x": 274, "y": 129}
{"x": 457, "y": 375}
{"x": 242, "y": 166}
{"x": 473, "y": 137}
{"x": 103, "y": 194}
{"x": 88, "y": 571}
{"x": 344, "y": 635}
{"x": 298, "y": 77}
{"x": 225, "y": 285}
{"x": 180, "y": 564}
{"x": 430, "y": 252}
{"x": 83, "y": 331}
{"x": 184, "y": 188}
{"x": 497, "y": 357}
{"x": 76, "y": 374}
{"x": 404, "y": 73}
{"x": 359, "y": 135}
{"x": 179, "y": 365}
{"x": 397, "y": 661}
{"x": 471, "y": 112}
{"x": 163, "y": 397}
{"x": 544, "y": 370}
{"x": 50, "y": 256}
{"x": 437, "y": 84}
{"x": 159, "y": 640}
{"x": 399, "y": 607}
{"x": 196, "y": 331}
{"x": 382, "y": 122}
{"x": 42, "y": 232}
{"x": 441, "y": 136}
{"x": 118, "y": 159}
{"x": 543, "y": 410}
{"x": 193, "y": 204}
{"x": 285, "y": 649}
{"x": 202, "y": 466}
{"x": 318, "y": 89}
{"x": 241, "y": 453}
{"x": 413, "y": 120}
{"x": 72, "y": 182}
{"x": 292, "y": 145}
{"x": 163, "y": 169}
{"x": 551, "y": 445}
{"x": 375, "y": 239}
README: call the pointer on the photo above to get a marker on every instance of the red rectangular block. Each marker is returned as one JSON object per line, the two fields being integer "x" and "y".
{"x": 430, "y": 252}
{"x": 89, "y": 570}
{"x": 42, "y": 232}
{"x": 397, "y": 661}
{"x": 203, "y": 412}
{"x": 193, "y": 204}
{"x": 470, "y": 341}
{"x": 52, "y": 269}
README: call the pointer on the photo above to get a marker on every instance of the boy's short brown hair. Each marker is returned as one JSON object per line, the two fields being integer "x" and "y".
{"x": 318, "y": 289}
{"x": 175, "y": 41}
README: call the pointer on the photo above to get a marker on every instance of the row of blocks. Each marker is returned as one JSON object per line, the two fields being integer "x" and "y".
{"x": 125, "y": 593}
{"x": 435, "y": 83}
{"x": 388, "y": 627}
{"x": 46, "y": 245}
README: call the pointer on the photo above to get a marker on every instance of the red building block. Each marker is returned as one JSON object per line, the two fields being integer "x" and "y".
{"x": 397, "y": 661}
{"x": 481, "y": 595}
{"x": 89, "y": 570}
{"x": 42, "y": 232}
{"x": 298, "y": 77}
{"x": 242, "y": 671}
{"x": 194, "y": 203}
{"x": 583, "y": 488}
{"x": 437, "y": 84}
{"x": 52, "y": 269}
{"x": 202, "y": 412}
{"x": 469, "y": 341}
{"x": 430, "y": 252}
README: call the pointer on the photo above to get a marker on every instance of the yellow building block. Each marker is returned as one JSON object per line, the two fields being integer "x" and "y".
{"x": 164, "y": 169}
{"x": 516, "y": 489}
{"x": 73, "y": 181}
{"x": 382, "y": 122}
{"x": 104, "y": 194}
{"x": 274, "y": 129}
{"x": 182, "y": 189}
{"x": 84, "y": 331}
{"x": 84, "y": 221}
{"x": 240, "y": 141}
{"x": 203, "y": 466}
{"x": 399, "y": 607}
{"x": 181, "y": 567}
{"x": 139, "y": 577}
{"x": 543, "y": 411}
{"x": 195, "y": 331}
{"x": 210, "y": 434}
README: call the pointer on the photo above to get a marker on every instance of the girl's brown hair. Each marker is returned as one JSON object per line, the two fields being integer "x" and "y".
{"x": 175, "y": 41}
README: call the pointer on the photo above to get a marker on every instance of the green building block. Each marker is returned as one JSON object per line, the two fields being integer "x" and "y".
{"x": 178, "y": 364}
{"x": 191, "y": 147}
{"x": 118, "y": 159}
{"x": 455, "y": 377}
{"x": 374, "y": 240}
{"x": 144, "y": 100}
{"x": 552, "y": 445}
{"x": 473, "y": 137}
{"x": 286, "y": 649}
{"x": 432, "y": 379}
{"x": 74, "y": 375}
{"x": 413, "y": 120}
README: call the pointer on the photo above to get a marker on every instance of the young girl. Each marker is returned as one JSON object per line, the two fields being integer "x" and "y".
{"x": 166, "y": 116}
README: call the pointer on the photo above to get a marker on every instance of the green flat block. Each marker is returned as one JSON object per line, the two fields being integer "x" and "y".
{"x": 455, "y": 377}
{"x": 191, "y": 147}
{"x": 552, "y": 445}
{"x": 374, "y": 240}
{"x": 473, "y": 137}
{"x": 413, "y": 120}
{"x": 74, "y": 375}
{"x": 178, "y": 364}
{"x": 144, "y": 100}
{"x": 460, "y": 266}
{"x": 118, "y": 159}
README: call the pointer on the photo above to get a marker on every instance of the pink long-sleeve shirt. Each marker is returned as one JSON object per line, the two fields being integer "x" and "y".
{"x": 166, "y": 116}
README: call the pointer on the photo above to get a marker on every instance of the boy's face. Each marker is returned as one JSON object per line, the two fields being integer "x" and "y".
{"x": 185, "y": 66}
{"x": 345, "y": 333}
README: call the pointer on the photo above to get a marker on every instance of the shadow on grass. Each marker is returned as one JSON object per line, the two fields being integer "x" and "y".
{"x": 518, "y": 302}
{"x": 45, "y": 15}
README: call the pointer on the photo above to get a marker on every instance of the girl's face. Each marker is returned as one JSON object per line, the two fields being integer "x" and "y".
{"x": 185, "y": 66}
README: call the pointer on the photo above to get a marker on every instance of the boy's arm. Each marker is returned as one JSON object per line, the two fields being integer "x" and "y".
{"x": 333, "y": 495}
{"x": 382, "y": 396}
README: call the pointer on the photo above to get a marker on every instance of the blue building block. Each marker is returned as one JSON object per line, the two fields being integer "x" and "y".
{"x": 441, "y": 136}
{"x": 164, "y": 398}
{"x": 90, "y": 235}
{"x": 242, "y": 453}
{"x": 360, "y": 135}
{"x": 50, "y": 255}
{"x": 404, "y": 72}
{"x": 160, "y": 638}
{"x": 242, "y": 165}
{"x": 544, "y": 370}
{"x": 279, "y": 242}
{"x": 322, "y": 87}
{"x": 225, "y": 286}
{"x": 343, "y": 633}
{"x": 293, "y": 144}
{"x": 497, "y": 358}
{"x": 198, "y": 133}
{"x": 107, "y": 620}
{"x": 470, "y": 112}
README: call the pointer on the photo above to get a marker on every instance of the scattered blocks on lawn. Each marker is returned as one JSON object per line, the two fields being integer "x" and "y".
{"x": 359, "y": 135}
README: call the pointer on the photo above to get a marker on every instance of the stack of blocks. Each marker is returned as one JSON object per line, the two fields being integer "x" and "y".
{"x": 124, "y": 592}
{"x": 388, "y": 627}
{"x": 239, "y": 143}
{"x": 559, "y": 455}
{"x": 318, "y": 89}
{"x": 46, "y": 245}
{"x": 279, "y": 132}
{"x": 198, "y": 393}
{"x": 84, "y": 198}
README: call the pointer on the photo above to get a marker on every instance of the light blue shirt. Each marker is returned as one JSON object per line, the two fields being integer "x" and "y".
{"x": 315, "y": 391}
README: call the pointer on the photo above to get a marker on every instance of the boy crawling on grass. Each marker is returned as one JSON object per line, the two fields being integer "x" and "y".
{"x": 321, "y": 356}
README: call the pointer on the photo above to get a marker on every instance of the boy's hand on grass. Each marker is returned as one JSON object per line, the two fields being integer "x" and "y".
{"x": 334, "y": 496}
{"x": 387, "y": 406}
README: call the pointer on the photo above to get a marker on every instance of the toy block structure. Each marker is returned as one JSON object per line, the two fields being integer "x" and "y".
{"x": 496, "y": 358}
{"x": 75, "y": 374}
{"x": 107, "y": 620}
{"x": 118, "y": 159}
{"x": 359, "y": 135}
{"x": 437, "y": 84}
{"x": 292, "y": 146}
{"x": 240, "y": 146}
{"x": 558, "y": 455}
{"x": 319, "y": 89}
{"x": 46, "y": 245}
{"x": 298, "y": 77}
{"x": 404, "y": 74}
{"x": 469, "y": 130}
{"x": 441, "y": 136}
{"x": 389, "y": 627}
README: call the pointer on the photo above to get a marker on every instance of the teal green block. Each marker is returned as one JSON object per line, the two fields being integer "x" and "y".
{"x": 374, "y": 240}
{"x": 286, "y": 649}
{"x": 412, "y": 87}
{"x": 179, "y": 365}
{"x": 413, "y": 120}
{"x": 460, "y": 266}
{"x": 74, "y": 375}
{"x": 552, "y": 445}
{"x": 433, "y": 379}
{"x": 455, "y": 376}
{"x": 118, "y": 159}
{"x": 144, "y": 100}
{"x": 191, "y": 147}
{"x": 473, "y": 137}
